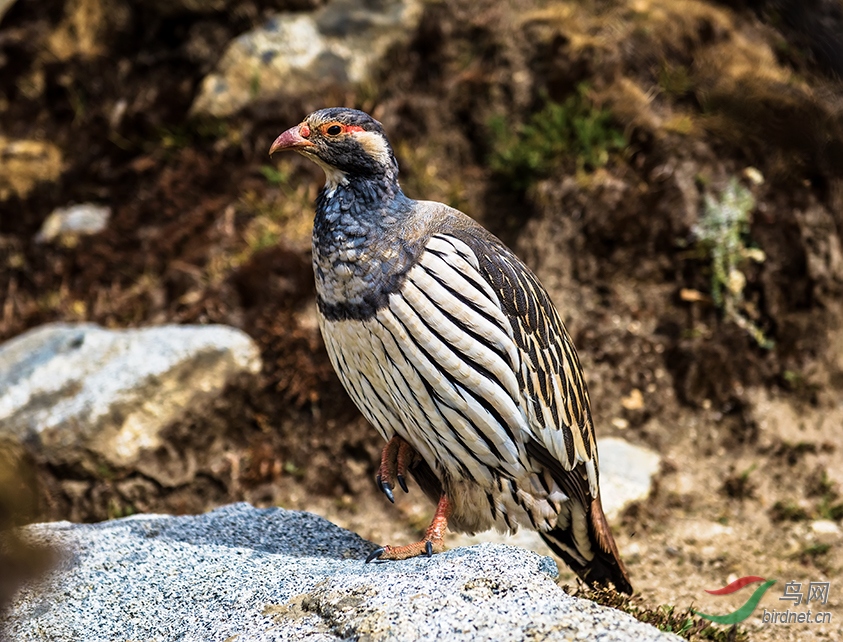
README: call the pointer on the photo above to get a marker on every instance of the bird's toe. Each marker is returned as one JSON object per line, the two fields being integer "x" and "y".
{"x": 375, "y": 554}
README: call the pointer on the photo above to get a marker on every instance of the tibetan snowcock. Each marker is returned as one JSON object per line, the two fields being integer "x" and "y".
{"x": 453, "y": 350}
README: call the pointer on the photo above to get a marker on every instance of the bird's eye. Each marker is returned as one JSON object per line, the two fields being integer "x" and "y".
{"x": 333, "y": 130}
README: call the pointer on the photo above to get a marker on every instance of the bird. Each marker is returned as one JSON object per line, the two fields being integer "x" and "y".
{"x": 453, "y": 350}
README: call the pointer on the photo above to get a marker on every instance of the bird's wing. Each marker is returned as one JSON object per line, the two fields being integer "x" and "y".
{"x": 496, "y": 287}
{"x": 550, "y": 377}
{"x": 507, "y": 329}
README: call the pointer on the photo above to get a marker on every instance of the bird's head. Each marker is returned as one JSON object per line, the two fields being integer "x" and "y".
{"x": 346, "y": 143}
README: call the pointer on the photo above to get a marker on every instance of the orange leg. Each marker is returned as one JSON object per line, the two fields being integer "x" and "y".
{"x": 396, "y": 457}
{"x": 433, "y": 541}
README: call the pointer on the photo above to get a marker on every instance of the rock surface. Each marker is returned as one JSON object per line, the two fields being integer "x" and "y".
{"x": 339, "y": 45}
{"x": 626, "y": 473}
{"x": 75, "y": 220}
{"x": 251, "y": 575}
{"x": 81, "y": 395}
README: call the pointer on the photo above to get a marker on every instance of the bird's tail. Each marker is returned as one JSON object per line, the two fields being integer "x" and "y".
{"x": 604, "y": 565}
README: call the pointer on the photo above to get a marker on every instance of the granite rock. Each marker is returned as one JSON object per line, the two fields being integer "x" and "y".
{"x": 240, "y": 573}
{"x": 83, "y": 396}
{"x": 339, "y": 45}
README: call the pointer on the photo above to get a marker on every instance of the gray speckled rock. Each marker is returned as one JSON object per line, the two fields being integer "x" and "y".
{"x": 294, "y": 53}
{"x": 250, "y": 575}
{"x": 84, "y": 395}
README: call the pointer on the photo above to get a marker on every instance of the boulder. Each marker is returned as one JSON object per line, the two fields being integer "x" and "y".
{"x": 339, "y": 45}
{"x": 96, "y": 399}
{"x": 240, "y": 573}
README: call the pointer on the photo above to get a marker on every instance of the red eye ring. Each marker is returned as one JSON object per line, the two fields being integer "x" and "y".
{"x": 335, "y": 129}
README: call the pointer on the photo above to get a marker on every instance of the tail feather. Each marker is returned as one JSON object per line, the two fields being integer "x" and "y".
{"x": 605, "y": 566}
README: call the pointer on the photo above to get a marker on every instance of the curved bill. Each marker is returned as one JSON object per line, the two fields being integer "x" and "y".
{"x": 290, "y": 139}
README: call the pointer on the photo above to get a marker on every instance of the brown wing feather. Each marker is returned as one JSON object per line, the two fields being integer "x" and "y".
{"x": 564, "y": 411}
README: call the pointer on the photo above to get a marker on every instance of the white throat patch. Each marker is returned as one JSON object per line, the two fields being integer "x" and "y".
{"x": 333, "y": 177}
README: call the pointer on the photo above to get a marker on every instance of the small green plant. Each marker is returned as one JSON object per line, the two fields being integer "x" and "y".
{"x": 559, "y": 132}
{"x": 816, "y": 550}
{"x": 829, "y": 506}
{"x": 740, "y": 486}
{"x": 722, "y": 234}
{"x": 117, "y": 509}
{"x": 788, "y": 511}
{"x": 255, "y": 84}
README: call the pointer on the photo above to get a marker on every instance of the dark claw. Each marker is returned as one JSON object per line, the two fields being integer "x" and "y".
{"x": 375, "y": 554}
{"x": 402, "y": 482}
{"x": 386, "y": 488}
{"x": 388, "y": 492}
{"x": 428, "y": 547}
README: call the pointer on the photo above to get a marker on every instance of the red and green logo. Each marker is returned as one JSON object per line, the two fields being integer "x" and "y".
{"x": 748, "y": 607}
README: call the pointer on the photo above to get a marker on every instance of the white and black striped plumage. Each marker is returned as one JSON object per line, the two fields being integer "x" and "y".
{"x": 445, "y": 339}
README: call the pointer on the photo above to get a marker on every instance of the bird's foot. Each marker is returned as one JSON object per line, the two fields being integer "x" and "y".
{"x": 433, "y": 541}
{"x": 425, "y": 547}
{"x": 396, "y": 458}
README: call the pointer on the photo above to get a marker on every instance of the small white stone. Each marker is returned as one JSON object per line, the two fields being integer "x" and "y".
{"x": 825, "y": 527}
{"x": 83, "y": 219}
{"x": 753, "y": 175}
{"x": 620, "y": 423}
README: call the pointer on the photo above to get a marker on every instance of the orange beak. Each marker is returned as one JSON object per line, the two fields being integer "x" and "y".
{"x": 290, "y": 139}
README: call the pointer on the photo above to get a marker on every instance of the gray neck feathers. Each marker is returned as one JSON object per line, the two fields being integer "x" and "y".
{"x": 359, "y": 254}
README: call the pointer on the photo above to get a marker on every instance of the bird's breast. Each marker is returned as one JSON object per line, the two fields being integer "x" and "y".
{"x": 349, "y": 282}
{"x": 355, "y": 275}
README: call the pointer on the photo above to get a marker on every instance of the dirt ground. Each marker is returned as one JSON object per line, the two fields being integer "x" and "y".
{"x": 738, "y": 388}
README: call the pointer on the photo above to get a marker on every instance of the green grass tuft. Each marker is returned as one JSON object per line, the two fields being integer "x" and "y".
{"x": 573, "y": 133}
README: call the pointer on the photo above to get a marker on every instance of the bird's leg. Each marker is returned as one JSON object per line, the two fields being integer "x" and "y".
{"x": 406, "y": 456}
{"x": 433, "y": 541}
{"x": 396, "y": 457}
